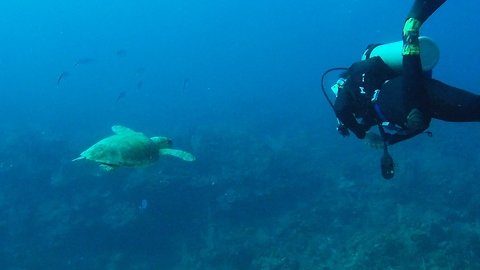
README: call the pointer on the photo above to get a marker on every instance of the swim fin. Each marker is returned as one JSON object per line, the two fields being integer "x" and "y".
{"x": 423, "y": 9}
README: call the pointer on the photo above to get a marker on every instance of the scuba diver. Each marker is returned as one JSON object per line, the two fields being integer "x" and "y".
{"x": 396, "y": 92}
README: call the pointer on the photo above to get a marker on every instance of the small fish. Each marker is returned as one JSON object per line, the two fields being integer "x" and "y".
{"x": 121, "y": 95}
{"x": 121, "y": 53}
{"x": 185, "y": 81}
{"x": 63, "y": 75}
{"x": 143, "y": 206}
{"x": 139, "y": 85}
{"x": 84, "y": 61}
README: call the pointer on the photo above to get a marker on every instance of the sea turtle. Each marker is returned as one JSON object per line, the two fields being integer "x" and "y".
{"x": 128, "y": 148}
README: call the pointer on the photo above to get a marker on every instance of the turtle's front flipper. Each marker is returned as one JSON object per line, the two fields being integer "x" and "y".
{"x": 108, "y": 168}
{"x": 177, "y": 153}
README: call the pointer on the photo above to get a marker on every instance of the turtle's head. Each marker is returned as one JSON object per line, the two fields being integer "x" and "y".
{"x": 162, "y": 142}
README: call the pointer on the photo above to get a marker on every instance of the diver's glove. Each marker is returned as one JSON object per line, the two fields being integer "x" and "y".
{"x": 374, "y": 140}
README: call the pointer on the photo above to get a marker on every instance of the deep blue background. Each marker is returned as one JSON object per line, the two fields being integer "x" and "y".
{"x": 244, "y": 59}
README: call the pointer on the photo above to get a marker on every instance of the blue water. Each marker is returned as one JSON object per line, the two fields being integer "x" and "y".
{"x": 237, "y": 84}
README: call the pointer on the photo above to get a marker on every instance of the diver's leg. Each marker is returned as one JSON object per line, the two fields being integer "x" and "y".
{"x": 415, "y": 98}
{"x": 452, "y": 104}
{"x": 415, "y": 94}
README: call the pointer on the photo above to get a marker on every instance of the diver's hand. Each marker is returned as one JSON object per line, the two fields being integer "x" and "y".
{"x": 373, "y": 140}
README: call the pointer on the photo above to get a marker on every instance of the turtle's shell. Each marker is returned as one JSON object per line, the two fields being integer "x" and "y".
{"x": 126, "y": 148}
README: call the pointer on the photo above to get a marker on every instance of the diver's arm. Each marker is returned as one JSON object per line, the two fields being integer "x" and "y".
{"x": 412, "y": 71}
{"x": 344, "y": 110}
{"x": 422, "y": 9}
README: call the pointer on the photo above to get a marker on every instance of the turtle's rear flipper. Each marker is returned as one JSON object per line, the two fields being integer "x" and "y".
{"x": 177, "y": 153}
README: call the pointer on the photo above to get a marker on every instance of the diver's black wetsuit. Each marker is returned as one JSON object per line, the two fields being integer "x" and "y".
{"x": 439, "y": 101}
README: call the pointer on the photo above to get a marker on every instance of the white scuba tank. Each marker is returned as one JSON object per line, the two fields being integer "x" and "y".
{"x": 391, "y": 53}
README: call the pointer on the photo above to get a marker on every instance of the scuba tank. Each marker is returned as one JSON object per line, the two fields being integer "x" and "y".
{"x": 391, "y": 53}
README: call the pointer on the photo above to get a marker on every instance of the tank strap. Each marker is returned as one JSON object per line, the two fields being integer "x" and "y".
{"x": 369, "y": 49}
{"x": 379, "y": 113}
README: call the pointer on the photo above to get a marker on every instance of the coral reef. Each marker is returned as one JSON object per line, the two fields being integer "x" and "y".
{"x": 251, "y": 201}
